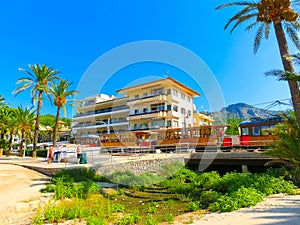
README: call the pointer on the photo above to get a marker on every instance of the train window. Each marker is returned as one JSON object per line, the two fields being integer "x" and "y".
{"x": 245, "y": 131}
{"x": 255, "y": 131}
{"x": 265, "y": 130}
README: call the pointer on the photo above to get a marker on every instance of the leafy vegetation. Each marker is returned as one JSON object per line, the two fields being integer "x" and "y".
{"x": 233, "y": 128}
{"x": 78, "y": 197}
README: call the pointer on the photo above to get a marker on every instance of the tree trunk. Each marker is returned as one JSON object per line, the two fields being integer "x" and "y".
{"x": 21, "y": 143}
{"x": 56, "y": 126}
{"x": 37, "y": 124}
{"x": 288, "y": 66}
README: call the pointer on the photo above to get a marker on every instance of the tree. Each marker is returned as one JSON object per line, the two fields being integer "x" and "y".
{"x": 280, "y": 14}
{"x": 41, "y": 77}
{"x": 287, "y": 145}
{"x": 233, "y": 128}
{"x": 25, "y": 120}
{"x": 5, "y": 114}
{"x": 60, "y": 93}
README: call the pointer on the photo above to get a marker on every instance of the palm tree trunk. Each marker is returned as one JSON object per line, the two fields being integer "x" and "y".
{"x": 37, "y": 124}
{"x": 56, "y": 126}
{"x": 288, "y": 66}
{"x": 21, "y": 143}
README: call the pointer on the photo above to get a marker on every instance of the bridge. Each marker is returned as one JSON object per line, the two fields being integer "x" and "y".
{"x": 243, "y": 159}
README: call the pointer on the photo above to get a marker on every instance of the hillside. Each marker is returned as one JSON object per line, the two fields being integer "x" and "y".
{"x": 241, "y": 110}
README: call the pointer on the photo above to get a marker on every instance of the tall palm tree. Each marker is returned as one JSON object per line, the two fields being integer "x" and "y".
{"x": 5, "y": 114}
{"x": 60, "y": 93}
{"x": 12, "y": 125}
{"x": 41, "y": 77}
{"x": 281, "y": 15}
{"x": 25, "y": 120}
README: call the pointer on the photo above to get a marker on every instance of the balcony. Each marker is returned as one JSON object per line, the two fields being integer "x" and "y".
{"x": 150, "y": 98}
{"x": 147, "y": 115}
{"x": 95, "y": 125}
{"x": 101, "y": 113}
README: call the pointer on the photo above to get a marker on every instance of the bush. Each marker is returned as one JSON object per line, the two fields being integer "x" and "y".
{"x": 207, "y": 180}
{"x": 40, "y": 152}
{"x": 243, "y": 197}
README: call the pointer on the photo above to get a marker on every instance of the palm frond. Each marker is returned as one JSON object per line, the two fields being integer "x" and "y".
{"x": 21, "y": 89}
{"x": 242, "y": 3}
{"x": 284, "y": 75}
{"x": 242, "y": 13}
{"x": 258, "y": 37}
{"x": 295, "y": 58}
{"x": 251, "y": 26}
{"x": 291, "y": 31}
{"x": 242, "y": 19}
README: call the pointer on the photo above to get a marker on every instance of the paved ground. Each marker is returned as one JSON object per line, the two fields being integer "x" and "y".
{"x": 19, "y": 193}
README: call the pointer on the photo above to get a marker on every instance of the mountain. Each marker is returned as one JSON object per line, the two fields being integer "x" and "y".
{"x": 241, "y": 110}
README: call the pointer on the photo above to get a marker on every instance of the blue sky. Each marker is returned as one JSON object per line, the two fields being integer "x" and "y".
{"x": 71, "y": 35}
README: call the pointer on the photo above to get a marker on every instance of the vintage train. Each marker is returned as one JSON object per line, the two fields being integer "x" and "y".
{"x": 254, "y": 134}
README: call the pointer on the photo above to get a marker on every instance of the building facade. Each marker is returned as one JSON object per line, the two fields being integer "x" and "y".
{"x": 101, "y": 114}
{"x": 164, "y": 103}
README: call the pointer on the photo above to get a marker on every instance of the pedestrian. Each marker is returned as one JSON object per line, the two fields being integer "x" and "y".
{"x": 50, "y": 154}
{"x": 78, "y": 150}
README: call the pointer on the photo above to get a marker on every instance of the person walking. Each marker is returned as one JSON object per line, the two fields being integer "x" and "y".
{"x": 78, "y": 150}
{"x": 50, "y": 154}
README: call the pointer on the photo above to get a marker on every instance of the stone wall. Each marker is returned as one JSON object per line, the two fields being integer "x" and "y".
{"x": 137, "y": 166}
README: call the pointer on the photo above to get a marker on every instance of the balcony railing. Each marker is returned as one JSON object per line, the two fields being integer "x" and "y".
{"x": 101, "y": 124}
{"x": 101, "y": 111}
{"x": 156, "y": 96}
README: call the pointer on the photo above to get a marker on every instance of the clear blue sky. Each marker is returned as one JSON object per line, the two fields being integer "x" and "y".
{"x": 71, "y": 35}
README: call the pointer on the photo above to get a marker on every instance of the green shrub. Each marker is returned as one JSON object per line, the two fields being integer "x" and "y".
{"x": 231, "y": 182}
{"x": 150, "y": 220}
{"x": 207, "y": 180}
{"x": 243, "y": 197}
{"x": 92, "y": 220}
{"x": 194, "y": 205}
{"x": 117, "y": 207}
{"x": 130, "y": 218}
{"x": 208, "y": 197}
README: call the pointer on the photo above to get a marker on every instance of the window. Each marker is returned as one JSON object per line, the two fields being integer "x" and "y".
{"x": 136, "y": 96}
{"x": 265, "y": 130}
{"x": 189, "y": 112}
{"x": 245, "y": 131}
{"x": 157, "y": 91}
{"x": 145, "y": 110}
{"x": 136, "y": 111}
{"x": 255, "y": 131}
{"x": 168, "y": 91}
{"x": 145, "y": 94}
{"x": 182, "y": 96}
{"x": 175, "y": 123}
{"x": 175, "y": 92}
{"x": 169, "y": 123}
{"x": 188, "y": 98}
{"x": 182, "y": 110}
{"x": 175, "y": 108}
{"x": 168, "y": 107}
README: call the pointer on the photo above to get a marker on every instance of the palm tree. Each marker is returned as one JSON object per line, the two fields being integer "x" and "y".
{"x": 25, "y": 120}
{"x": 12, "y": 125}
{"x": 60, "y": 93}
{"x": 5, "y": 114}
{"x": 41, "y": 77}
{"x": 280, "y": 14}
